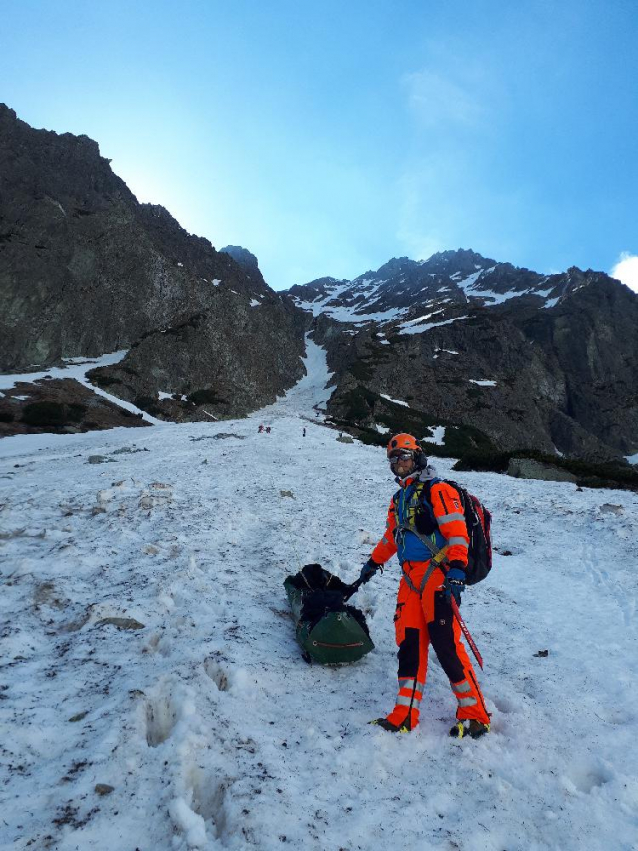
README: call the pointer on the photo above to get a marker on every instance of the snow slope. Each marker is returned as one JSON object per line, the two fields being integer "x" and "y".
{"x": 213, "y": 732}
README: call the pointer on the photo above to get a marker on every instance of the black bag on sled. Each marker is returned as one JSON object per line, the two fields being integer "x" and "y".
{"x": 328, "y": 631}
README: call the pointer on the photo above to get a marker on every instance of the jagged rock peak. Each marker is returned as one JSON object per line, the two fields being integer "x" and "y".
{"x": 242, "y": 256}
{"x": 83, "y": 144}
{"x": 86, "y": 269}
{"x": 7, "y": 113}
{"x": 458, "y": 254}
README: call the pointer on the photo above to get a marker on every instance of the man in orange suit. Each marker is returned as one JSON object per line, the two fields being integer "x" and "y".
{"x": 425, "y": 506}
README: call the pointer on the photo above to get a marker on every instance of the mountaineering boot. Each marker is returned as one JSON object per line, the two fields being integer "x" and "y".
{"x": 398, "y": 723}
{"x": 474, "y": 728}
{"x": 390, "y": 727}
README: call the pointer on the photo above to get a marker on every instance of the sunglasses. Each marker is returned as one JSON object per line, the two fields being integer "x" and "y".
{"x": 399, "y": 455}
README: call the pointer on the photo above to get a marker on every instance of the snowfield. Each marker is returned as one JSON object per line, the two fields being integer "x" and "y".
{"x": 152, "y": 694}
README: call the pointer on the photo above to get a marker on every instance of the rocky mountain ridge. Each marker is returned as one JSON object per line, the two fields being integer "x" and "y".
{"x": 468, "y": 352}
{"x": 494, "y": 356}
{"x": 86, "y": 269}
{"x": 447, "y": 279}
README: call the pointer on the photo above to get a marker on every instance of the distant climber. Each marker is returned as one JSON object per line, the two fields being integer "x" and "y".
{"x": 267, "y": 429}
{"x": 432, "y": 508}
{"x": 260, "y": 429}
{"x": 304, "y": 432}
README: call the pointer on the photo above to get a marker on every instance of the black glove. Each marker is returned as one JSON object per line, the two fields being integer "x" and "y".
{"x": 454, "y": 584}
{"x": 368, "y": 570}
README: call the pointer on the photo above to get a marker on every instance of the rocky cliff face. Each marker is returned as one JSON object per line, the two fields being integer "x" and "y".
{"x": 493, "y": 355}
{"x": 85, "y": 269}
{"x": 244, "y": 258}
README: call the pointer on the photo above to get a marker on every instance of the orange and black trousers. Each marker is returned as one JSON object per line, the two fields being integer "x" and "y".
{"x": 423, "y": 617}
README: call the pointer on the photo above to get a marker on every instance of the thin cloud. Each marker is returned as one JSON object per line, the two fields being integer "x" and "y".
{"x": 626, "y": 270}
{"x": 438, "y": 101}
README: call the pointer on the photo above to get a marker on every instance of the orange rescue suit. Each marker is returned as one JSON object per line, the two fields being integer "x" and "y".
{"x": 423, "y": 615}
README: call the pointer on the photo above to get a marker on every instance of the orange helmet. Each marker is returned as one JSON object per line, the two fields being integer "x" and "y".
{"x": 403, "y": 443}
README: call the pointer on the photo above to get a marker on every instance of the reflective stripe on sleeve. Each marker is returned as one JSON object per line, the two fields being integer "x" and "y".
{"x": 461, "y": 688}
{"x": 448, "y": 518}
{"x": 467, "y": 701}
{"x": 451, "y": 542}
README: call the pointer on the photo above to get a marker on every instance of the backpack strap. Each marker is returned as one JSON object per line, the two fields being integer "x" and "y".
{"x": 439, "y": 556}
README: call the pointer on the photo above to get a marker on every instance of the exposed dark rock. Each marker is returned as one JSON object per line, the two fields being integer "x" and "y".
{"x": 59, "y": 405}
{"x": 85, "y": 269}
{"x": 104, "y": 789}
{"x": 528, "y": 468}
{"x": 121, "y": 623}
{"x": 210, "y": 365}
{"x": 500, "y": 356}
{"x": 243, "y": 257}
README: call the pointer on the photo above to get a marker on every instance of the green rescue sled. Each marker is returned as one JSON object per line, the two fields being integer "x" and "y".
{"x": 328, "y": 631}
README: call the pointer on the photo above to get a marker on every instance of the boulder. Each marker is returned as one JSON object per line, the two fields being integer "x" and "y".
{"x": 528, "y": 468}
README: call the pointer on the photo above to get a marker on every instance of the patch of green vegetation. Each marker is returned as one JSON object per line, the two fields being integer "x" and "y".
{"x": 484, "y": 461}
{"x": 588, "y": 474}
{"x": 369, "y": 436}
{"x": 460, "y": 441}
{"x": 44, "y": 414}
{"x": 376, "y": 354}
{"x": 148, "y": 404}
{"x": 398, "y": 418}
{"x": 362, "y": 371}
{"x": 358, "y": 404}
{"x": 76, "y": 412}
{"x": 361, "y": 405}
{"x": 7, "y": 416}
{"x": 101, "y": 379}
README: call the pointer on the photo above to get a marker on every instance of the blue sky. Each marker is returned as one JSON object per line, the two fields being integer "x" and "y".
{"x": 327, "y": 137}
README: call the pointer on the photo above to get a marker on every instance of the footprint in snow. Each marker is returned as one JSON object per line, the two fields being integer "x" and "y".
{"x": 209, "y": 795}
{"x": 587, "y": 774}
{"x": 161, "y": 717}
{"x": 216, "y": 673}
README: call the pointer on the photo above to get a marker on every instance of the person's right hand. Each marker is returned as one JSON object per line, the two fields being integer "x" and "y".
{"x": 368, "y": 570}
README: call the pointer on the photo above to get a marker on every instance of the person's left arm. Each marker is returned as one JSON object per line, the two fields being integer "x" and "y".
{"x": 448, "y": 512}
